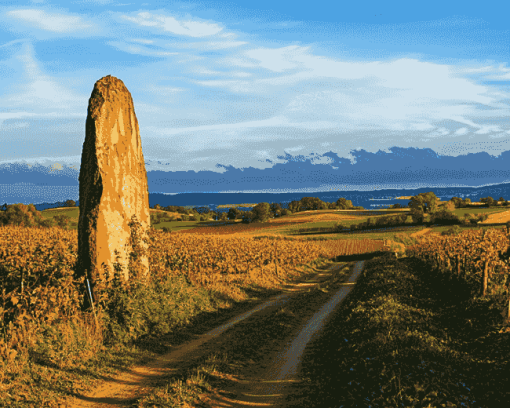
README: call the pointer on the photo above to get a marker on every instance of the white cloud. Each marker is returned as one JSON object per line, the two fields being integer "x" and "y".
{"x": 207, "y": 45}
{"x": 241, "y": 74}
{"x": 217, "y": 45}
{"x": 141, "y": 41}
{"x": 439, "y": 132}
{"x": 276, "y": 121}
{"x": 461, "y": 131}
{"x": 497, "y": 135}
{"x": 228, "y": 35}
{"x": 488, "y": 129}
{"x": 170, "y": 24}
{"x": 236, "y": 74}
{"x": 37, "y": 94}
{"x": 278, "y": 59}
{"x": 233, "y": 85}
{"x": 422, "y": 126}
{"x": 58, "y": 23}
{"x": 139, "y": 49}
{"x": 465, "y": 121}
{"x": 402, "y": 94}
{"x": 238, "y": 61}
{"x": 16, "y": 125}
{"x": 26, "y": 115}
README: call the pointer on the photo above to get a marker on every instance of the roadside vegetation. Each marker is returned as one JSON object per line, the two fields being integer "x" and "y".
{"x": 410, "y": 336}
{"x": 50, "y": 349}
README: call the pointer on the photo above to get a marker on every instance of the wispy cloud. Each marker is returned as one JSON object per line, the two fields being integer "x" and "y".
{"x": 191, "y": 28}
{"x": 276, "y": 121}
{"x": 37, "y": 94}
{"x": 139, "y": 49}
{"x": 142, "y": 41}
{"x": 208, "y": 45}
{"x": 55, "y": 22}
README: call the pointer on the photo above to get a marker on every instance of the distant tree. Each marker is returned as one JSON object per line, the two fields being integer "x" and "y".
{"x": 286, "y": 211}
{"x": 501, "y": 199}
{"x": 466, "y": 202}
{"x": 234, "y": 214}
{"x": 21, "y": 215}
{"x": 422, "y": 204}
{"x": 457, "y": 201}
{"x": 489, "y": 201}
{"x": 247, "y": 217}
{"x": 425, "y": 202}
{"x": 223, "y": 216}
{"x": 396, "y": 206}
{"x": 70, "y": 203}
{"x": 201, "y": 210}
{"x": 343, "y": 204}
{"x": 294, "y": 206}
{"x": 4, "y": 207}
{"x": 261, "y": 212}
{"x": 449, "y": 206}
{"x": 157, "y": 207}
{"x": 311, "y": 203}
{"x": 331, "y": 206}
{"x": 276, "y": 209}
{"x": 371, "y": 222}
{"x": 445, "y": 215}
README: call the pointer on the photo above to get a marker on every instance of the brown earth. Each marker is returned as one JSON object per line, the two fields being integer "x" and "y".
{"x": 500, "y": 217}
{"x": 254, "y": 344}
{"x": 421, "y": 232}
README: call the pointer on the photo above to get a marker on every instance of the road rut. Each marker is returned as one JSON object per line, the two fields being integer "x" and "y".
{"x": 269, "y": 380}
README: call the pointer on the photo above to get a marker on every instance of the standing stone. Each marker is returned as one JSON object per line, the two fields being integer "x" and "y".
{"x": 113, "y": 185}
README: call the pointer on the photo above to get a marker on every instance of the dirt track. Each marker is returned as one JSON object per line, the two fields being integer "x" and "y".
{"x": 500, "y": 217}
{"x": 270, "y": 361}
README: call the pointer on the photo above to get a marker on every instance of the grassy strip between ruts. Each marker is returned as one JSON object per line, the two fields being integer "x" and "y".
{"x": 243, "y": 352}
{"x": 404, "y": 337}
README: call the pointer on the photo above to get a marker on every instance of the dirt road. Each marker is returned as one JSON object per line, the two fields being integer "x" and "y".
{"x": 268, "y": 352}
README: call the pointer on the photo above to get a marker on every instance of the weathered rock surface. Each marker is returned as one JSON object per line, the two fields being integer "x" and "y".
{"x": 113, "y": 184}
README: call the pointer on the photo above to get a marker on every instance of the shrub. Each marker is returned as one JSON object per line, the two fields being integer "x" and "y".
{"x": 340, "y": 227}
{"x": 134, "y": 310}
{"x": 405, "y": 239}
{"x": 444, "y": 217}
{"x": 452, "y": 230}
{"x": 21, "y": 214}
{"x": 62, "y": 220}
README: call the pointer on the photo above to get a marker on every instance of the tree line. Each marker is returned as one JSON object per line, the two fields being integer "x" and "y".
{"x": 261, "y": 212}
{"x": 424, "y": 208}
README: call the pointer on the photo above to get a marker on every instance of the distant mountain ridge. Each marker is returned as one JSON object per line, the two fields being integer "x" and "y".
{"x": 400, "y": 169}
{"x": 366, "y": 199}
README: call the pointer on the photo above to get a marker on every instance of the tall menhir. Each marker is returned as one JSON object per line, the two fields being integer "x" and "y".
{"x": 113, "y": 185}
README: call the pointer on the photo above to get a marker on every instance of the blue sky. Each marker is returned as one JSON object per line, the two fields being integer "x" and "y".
{"x": 233, "y": 85}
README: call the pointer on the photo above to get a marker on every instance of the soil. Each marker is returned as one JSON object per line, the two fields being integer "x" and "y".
{"x": 255, "y": 345}
{"x": 421, "y": 232}
{"x": 496, "y": 218}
